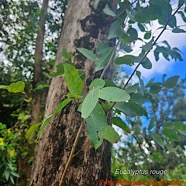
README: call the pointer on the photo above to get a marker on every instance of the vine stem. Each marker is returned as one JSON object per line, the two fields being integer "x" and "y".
{"x": 71, "y": 154}
{"x": 145, "y": 55}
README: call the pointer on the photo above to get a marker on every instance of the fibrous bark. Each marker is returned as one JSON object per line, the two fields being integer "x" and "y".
{"x": 83, "y": 27}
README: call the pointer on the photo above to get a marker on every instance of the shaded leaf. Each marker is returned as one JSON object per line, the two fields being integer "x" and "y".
{"x": 111, "y": 135}
{"x": 87, "y": 53}
{"x": 131, "y": 109}
{"x": 96, "y": 126}
{"x": 120, "y": 123}
{"x": 171, "y": 82}
{"x": 171, "y": 134}
{"x": 127, "y": 60}
{"x": 180, "y": 127}
{"x": 151, "y": 125}
{"x": 157, "y": 138}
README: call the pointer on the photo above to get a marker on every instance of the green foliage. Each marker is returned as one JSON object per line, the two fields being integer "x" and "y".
{"x": 8, "y": 167}
{"x": 96, "y": 126}
{"x": 73, "y": 80}
{"x": 90, "y": 102}
{"x": 59, "y": 107}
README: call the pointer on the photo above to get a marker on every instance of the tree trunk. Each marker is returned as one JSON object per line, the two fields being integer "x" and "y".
{"x": 83, "y": 27}
{"x": 39, "y": 96}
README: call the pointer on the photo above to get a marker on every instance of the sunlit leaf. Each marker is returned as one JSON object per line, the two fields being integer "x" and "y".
{"x": 114, "y": 94}
{"x": 16, "y": 87}
{"x": 97, "y": 83}
{"x": 90, "y": 102}
{"x": 72, "y": 79}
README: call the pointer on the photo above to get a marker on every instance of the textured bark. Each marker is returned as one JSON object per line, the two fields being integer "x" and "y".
{"x": 83, "y": 27}
{"x": 39, "y": 96}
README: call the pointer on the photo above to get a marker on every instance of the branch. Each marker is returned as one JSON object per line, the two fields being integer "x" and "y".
{"x": 152, "y": 45}
{"x": 110, "y": 60}
{"x": 149, "y": 50}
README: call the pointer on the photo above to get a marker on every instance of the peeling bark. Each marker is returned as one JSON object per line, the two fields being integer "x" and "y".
{"x": 83, "y": 27}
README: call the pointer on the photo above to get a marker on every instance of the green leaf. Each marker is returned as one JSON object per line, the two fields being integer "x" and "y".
{"x": 87, "y": 53}
{"x": 31, "y": 130}
{"x": 103, "y": 58}
{"x": 111, "y": 135}
{"x": 16, "y": 87}
{"x": 171, "y": 82}
{"x": 132, "y": 88}
{"x": 131, "y": 109}
{"x": 114, "y": 94}
{"x": 97, "y": 83}
{"x": 67, "y": 55}
{"x": 72, "y": 79}
{"x": 156, "y": 137}
{"x": 96, "y": 126}
{"x": 108, "y": 11}
{"x": 90, "y": 102}
{"x": 151, "y": 125}
{"x": 148, "y": 46}
{"x": 120, "y": 123}
{"x": 15, "y": 174}
{"x": 133, "y": 34}
{"x": 59, "y": 70}
{"x": 171, "y": 134}
{"x": 127, "y": 60}
{"x": 178, "y": 30}
{"x": 114, "y": 29}
{"x": 180, "y": 127}
{"x": 60, "y": 106}
{"x": 147, "y": 35}
{"x": 146, "y": 63}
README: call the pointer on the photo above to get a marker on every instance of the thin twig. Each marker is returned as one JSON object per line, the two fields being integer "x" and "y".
{"x": 145, "y": 55}
{"x": 111, "y": 59}
{"x": 71, "y": 154}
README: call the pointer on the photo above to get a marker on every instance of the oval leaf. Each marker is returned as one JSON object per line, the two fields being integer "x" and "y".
{"x": 72, "y": 79}
{"x": 118, "y": 122}
{"x": 90, "y": 102}
{"x": 171, "y": 134}
{"x": 114, "y": 94}
{"x": 97, "y": 83}
{"x": 111, "y": 135}
{"x": 96, "y": 126}
{"x": 156, "y": 137}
